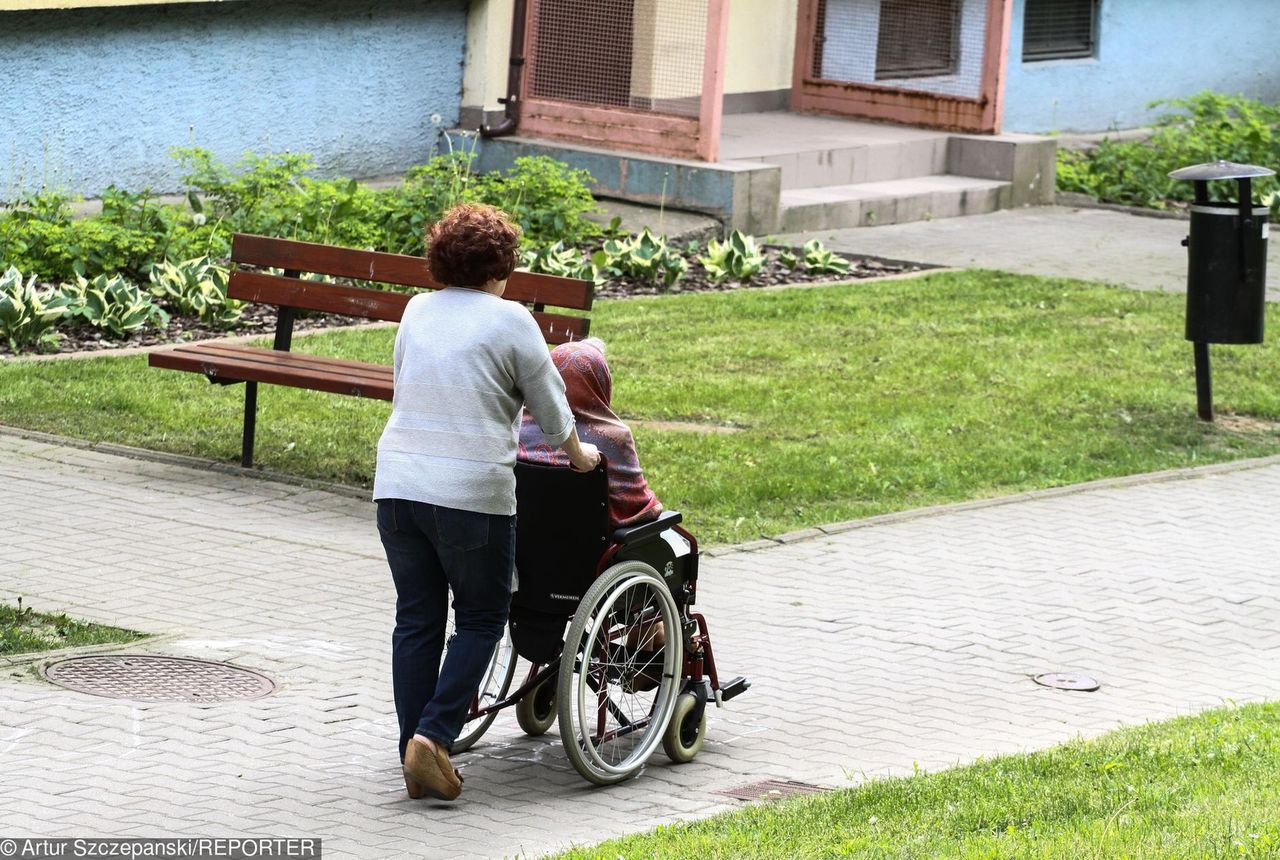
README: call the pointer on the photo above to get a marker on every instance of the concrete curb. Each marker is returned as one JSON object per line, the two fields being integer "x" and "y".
{"x": 809, "y": 533}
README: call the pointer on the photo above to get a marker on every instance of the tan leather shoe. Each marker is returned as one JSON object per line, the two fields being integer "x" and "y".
{"x": 430, "y": 773}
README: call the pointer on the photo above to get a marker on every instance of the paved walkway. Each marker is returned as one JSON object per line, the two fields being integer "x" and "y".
{"x": 1055, "y": 241}
{"x": 871, "y": 649}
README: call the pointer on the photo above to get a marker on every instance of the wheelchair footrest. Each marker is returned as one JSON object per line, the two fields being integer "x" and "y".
{"x": 733, "y": 688}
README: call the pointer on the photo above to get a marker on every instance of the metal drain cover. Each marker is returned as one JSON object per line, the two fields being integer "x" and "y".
{"x": 152, "y": 678}
{"x": 1067, "y": 681}
{"x": 771, "y": 789}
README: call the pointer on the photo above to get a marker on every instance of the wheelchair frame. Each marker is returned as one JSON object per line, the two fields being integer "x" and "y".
{"x": 600, "y": 648}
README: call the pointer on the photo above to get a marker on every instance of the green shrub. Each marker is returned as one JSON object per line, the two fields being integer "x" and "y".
{"x": 272, "y": 195}
{"x": 196, "y": 287}
{"x": 113, "y": 304}
{"x": 644, "y": 256}
{"x": 736, "y": 257}
{"x": 28, "y": 316}
{"x": 40, "y": 235}
{"x": 815, "y": 258}
{"x": 556, "y": 259}
{"x": 1204, "y": 127}
{"x": 548, "y": 198}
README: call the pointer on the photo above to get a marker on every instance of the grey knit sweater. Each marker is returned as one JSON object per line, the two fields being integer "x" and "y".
{"x": 465, "y": 363}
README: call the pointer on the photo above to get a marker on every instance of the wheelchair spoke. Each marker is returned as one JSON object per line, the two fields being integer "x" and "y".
{"x": 620, "y": 698}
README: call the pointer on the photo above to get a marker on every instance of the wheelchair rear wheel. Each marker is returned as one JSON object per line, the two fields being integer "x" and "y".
{"x": 619, "y": 673}
{"x": 493, "y": 686}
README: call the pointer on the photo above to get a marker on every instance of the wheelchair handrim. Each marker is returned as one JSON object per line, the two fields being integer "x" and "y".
{"x": 664, "y": 697}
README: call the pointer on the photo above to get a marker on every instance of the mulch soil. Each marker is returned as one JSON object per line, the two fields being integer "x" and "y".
{"x": 261, "y": 319}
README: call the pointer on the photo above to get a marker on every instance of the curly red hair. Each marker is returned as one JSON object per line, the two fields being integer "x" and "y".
{"x": 471, "y": 245}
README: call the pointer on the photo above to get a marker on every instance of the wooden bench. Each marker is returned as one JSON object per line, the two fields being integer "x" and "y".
{"x": 227, "y": 364}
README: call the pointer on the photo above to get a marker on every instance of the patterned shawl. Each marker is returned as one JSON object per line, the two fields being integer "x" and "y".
{"x": 589, "y": 388}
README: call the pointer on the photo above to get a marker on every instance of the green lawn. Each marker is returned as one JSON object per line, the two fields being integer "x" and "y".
{"x": 1198, "y": 787}
{"x": 23, "y": 630}
{"x": 852, "y": 399}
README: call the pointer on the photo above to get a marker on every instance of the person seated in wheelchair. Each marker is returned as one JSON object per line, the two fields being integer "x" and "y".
{"x": 588, "y": 386}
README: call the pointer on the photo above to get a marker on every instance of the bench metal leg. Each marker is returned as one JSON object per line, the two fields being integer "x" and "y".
{"x": 250, "y": 423}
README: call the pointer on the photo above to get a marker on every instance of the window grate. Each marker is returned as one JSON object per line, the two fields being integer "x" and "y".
{"x": 918, "y": 38}
{"x": 925, "y": 46}
{"x": 1059, "y": 30}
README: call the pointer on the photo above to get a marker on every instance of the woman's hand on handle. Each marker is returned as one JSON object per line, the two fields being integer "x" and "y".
{"x": 583, "y": 456}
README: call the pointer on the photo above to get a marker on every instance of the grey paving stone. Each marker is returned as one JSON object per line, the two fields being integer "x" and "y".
{"x": 872, "y": 647}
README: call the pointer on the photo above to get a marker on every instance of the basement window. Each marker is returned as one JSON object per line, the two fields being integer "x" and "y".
{"x": 1059, "y": 30}
{"x": 917, "y": 38}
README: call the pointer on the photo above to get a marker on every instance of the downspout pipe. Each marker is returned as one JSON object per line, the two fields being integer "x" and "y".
{"x": 511, "y": 103}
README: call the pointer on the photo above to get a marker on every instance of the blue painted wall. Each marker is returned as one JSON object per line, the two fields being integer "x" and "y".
{"x": 1147, "y": 50}
{"x": 91, "y": 97}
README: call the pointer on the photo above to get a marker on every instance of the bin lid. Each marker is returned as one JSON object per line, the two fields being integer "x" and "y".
{"x": 1220, "y": 170}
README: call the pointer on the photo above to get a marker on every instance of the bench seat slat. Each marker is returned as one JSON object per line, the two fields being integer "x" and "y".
{"x": 296, "y": 370}
{"x": 321, "y": 363}
{"x": 400, "y": 269}
{"x": 370, "y": 304}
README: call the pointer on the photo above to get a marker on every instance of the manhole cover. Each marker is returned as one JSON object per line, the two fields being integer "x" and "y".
{"x": 771, "y": 789}
{"x": 150, "y": 678}
{"x": 1067, "y": 681}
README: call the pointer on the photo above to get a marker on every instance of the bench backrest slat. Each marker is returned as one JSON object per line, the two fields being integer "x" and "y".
{"x": 370, "y": 304}
{"x": 399, "y": 269}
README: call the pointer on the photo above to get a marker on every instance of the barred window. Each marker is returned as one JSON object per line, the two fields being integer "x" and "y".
{"x": 1059, "y": 30}
{"x": 918, "y": 38}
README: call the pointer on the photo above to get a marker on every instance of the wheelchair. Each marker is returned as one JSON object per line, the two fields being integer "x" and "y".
{"x": 635, "y": 668}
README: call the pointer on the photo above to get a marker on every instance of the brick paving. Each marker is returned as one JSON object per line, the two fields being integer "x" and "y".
{"x": 907, "y": 641}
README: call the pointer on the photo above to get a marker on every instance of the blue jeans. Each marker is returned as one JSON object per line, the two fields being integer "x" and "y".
{"x": 433, "y": 550}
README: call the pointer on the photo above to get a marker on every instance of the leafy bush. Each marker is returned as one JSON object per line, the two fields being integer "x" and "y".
{"x": 737, "y": 257}
{"x": 644, "y": 256}
{"x": 548, "y": 198}
{"x": 813, "y": 257}
{"x": 1204, "y": 127}
{"x": 113, "y": 304}
{"x": 556, "y": 259}
{"x": 40, "y": 235}
{"x": 28, "y": 316}
{"x": 272, "y": 195}
{"x": 196, "y": 287}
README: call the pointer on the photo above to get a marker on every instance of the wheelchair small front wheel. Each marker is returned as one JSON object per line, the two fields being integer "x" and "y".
{"x": 536, "y": 710}
{"x": 619, "y": 673}
{"x": 688, "y": 729}
{"x": 493, "y": 686}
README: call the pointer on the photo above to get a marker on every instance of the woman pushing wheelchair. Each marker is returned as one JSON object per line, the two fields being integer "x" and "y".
{"x": 466, "y": 362}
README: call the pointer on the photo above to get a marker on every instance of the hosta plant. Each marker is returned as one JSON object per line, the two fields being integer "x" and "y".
{"x": 28, "y": 317}
{"x": 813, "y": 257}
{"x": 198, "y": 288}
{"x": 644, "y": 256}
{"x": 556, "y": 259}
{"x": 111, "y": 303}
{"x": 736, "y": 257}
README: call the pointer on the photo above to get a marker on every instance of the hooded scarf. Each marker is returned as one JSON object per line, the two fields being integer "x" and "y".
{"x": 589, "y": 389}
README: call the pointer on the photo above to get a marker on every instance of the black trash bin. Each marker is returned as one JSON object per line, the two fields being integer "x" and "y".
{"x": 1226, "y": 267}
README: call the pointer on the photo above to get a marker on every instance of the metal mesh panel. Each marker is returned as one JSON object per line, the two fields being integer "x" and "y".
{"x": 933, "y": 46}
{"x": 642, "y": 55}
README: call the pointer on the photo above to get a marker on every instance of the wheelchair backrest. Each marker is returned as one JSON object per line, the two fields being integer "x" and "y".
{"x": 562, "y": 530}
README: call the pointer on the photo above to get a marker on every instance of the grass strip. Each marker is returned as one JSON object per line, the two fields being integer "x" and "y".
{"x": 851, "y": 400}
{"x": 22, "y": 631}
{"x": 1195, "y": 787}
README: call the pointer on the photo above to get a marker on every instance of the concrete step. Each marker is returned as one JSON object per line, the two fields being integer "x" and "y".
{"x": 895, "y": 201}
{"x": 871, "y": 161}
